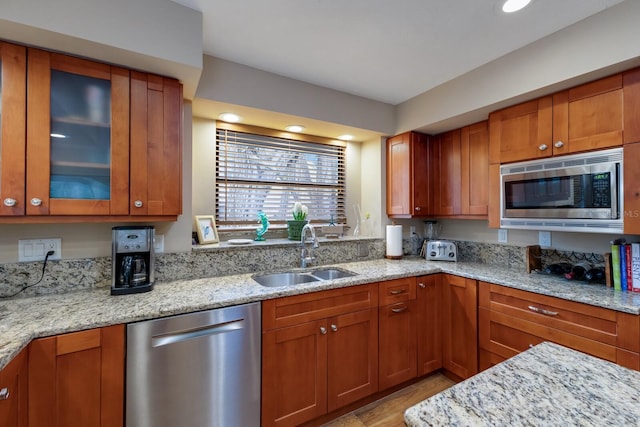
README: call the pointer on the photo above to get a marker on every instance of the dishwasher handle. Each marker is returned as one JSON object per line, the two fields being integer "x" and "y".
{"x": 176, "y": 337}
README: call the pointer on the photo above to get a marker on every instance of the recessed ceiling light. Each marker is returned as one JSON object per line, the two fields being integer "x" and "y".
{"x": 229, "y": 117}
{"x": 514, "y": 5}
{"x": 295, "y": 128}
{"x": 346, "y": 137}
{"x": 58, "y": 135}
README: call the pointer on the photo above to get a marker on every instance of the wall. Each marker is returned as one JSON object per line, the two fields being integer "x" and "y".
{"x": 152, "y": 35}
{"x": 597, "y": 46}
{"x": 233, "y": 83}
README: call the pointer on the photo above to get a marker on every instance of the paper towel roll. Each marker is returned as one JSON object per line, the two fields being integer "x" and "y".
{"x": 394, "y": 241}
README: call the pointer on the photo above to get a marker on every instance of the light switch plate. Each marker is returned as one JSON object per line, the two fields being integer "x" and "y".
{"x": 158, "y": 243}
{"x": 544, "y": 239}
{"x": 503, "y": 236}
{"x": 36, "y": 249}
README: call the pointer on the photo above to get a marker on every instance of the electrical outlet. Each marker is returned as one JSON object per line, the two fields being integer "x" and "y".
{"x": 503, "y": 236}
{"x": 36, "y": 249}
{"x": 544, "y": 239}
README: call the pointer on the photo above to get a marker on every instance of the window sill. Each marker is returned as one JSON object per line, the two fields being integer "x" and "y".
{"x": 276, "y": 242}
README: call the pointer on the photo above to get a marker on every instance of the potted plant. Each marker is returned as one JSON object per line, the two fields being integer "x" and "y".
{"x": 294, "y": 227}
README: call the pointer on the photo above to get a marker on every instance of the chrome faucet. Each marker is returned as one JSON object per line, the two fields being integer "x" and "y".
{"x": 307, "y": 255}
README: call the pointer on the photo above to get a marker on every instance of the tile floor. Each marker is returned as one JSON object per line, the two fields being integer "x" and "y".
{"x": 389, "y": 411}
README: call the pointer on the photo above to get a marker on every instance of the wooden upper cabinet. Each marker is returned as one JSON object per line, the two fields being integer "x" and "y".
{"x": 156, "y": 148}
{"x": 521, "y": 132}
{"x": 77, "y": 136}
{"x": 474, "y": 162}
{"x": 588, "y": 117}
{"x": 407, "y": 177}
{"x": 444, "y": 168}
{"x": 77, "y": 379}
{"x": 13, "y": 104}
{"x": 631, "y": 108}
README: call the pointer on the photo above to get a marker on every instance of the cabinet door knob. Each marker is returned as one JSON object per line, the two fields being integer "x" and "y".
{"x": 323, "y": 330}
{"x": 422, "y": 285}
{"x": 334, "y": 328}
{"x": 417, "y": 208}
{"x": 4, "y": 393}
{"x": 9, "y": 202}
{"x": 137, "y": 203}
{"x": 36, "y": 202}
{"x": 559, "y": 144}
{"x": 542, "y": 147}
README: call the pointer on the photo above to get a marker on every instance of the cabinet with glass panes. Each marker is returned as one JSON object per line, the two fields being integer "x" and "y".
{"x": 75, "y": 126}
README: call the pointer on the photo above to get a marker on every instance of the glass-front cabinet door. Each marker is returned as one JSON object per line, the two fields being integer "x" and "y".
{"x": 77, "y": 136}
{"x": 13, "y": 85}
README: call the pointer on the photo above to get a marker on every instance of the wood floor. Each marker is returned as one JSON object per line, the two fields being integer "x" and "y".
{"x": 389, "y": 411}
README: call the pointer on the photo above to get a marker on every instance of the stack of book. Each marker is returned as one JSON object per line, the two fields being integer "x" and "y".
{"x": 625, "y": 266}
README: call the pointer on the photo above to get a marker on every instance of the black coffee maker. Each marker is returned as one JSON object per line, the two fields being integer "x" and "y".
{"x": 133, "y": 259}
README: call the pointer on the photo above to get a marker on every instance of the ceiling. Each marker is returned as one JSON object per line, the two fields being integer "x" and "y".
{"x": 384, "y": 50}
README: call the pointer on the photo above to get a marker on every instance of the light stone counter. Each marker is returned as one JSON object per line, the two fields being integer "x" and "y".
{"x": 547, "y": 385}
{"x": 23, "y": 319}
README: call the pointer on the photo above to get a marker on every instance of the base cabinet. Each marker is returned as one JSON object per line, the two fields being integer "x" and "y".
{"x": 397, "y": 332}
{"x": 459, "y": 325}
{"x": 511, "y": 320}
{"x": 429, "y": 323}
{"x": 77, "y": 379}
{"x": 319, "y": 352}
{"x": 13, "y": 392}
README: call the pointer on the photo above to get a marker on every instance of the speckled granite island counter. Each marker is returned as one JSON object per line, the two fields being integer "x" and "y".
{"x": 547, "y": 385}
{"x": 24, "y": 319}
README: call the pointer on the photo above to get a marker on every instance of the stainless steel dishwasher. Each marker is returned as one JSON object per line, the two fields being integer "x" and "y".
{"x": 199, "y": 369}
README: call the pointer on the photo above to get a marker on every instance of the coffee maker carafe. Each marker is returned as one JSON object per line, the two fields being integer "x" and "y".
{"x": 133, "y": 260}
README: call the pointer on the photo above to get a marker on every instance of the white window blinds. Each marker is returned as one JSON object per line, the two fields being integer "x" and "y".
{"x": 269, "y": 173}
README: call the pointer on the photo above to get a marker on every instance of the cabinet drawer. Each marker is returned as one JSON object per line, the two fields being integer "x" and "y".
{"x": 398, "y": 290}
{"x": 595, "y": 323}
{"x": 507, "y": 336}
{"x": 297, "y": 309}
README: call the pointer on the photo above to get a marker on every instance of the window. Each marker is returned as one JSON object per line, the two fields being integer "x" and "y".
{"x": 259, "y": 169}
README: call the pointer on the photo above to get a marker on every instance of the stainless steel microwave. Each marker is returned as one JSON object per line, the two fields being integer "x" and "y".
{"x": 580, "y": 192}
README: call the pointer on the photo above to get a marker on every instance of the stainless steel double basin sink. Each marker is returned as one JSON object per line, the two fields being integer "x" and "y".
{"x": 288, "y": 278}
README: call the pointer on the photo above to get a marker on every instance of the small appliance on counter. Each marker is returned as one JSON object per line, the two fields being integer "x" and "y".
{"x": 133, "y": 259}
{"x": 441, "y": 250}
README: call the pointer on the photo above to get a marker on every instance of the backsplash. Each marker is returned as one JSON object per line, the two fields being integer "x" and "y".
{"x": 224, "y": 259}
{"x": 220, "y": 260}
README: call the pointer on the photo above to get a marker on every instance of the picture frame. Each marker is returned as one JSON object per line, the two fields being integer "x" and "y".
{"x": 206, "y": 229}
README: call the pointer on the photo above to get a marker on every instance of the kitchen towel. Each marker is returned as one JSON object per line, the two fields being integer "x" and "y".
{"x": 394, "y": 241}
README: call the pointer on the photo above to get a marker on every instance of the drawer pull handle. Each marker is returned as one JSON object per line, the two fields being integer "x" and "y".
{"x": 4, "y": 393}
{"x": 543, "y": 311}
{"x": 399, "y": 309}
{"x": 323, "y": 330}
{"x": 398, "y": 291}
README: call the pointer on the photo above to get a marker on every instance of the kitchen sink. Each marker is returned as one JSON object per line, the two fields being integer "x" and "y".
{"x": 332, "y": 273}
{"x": 284, "y": 279}
{"x": 289, "y": 278}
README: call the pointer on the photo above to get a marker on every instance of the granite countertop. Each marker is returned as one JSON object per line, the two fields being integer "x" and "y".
{"x": 24, "y": 319}
{"x": 546, "y": 385}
